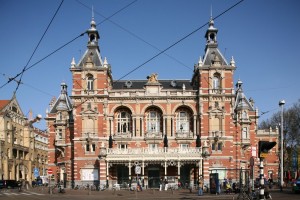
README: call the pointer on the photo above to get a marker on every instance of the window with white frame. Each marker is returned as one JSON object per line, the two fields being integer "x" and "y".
{"x": 153, "y": 121}
{"x": 182, "y": 122}
{"x": 90, "y": 83}
{"x": 122, "y": 146}
{"x": 59, "y": 134}
{"x": 90, "y": 147}
{"x": 216, "y": 82}
{"x": 184, "y": 146}
{"x": 218, "y": 146}
{"x": 123, "y": 122}
{"x": 245, "y": 133}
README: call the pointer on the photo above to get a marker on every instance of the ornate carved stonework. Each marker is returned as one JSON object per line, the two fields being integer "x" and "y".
{"x": 152, "y": 78}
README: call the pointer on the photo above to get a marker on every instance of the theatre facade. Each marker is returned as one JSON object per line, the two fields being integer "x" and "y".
{"x": 114, "y": 132}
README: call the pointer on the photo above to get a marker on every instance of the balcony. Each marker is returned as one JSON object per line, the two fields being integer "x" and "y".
{"x": 153, "y": 135}
{"x": 119, "y": 136}
{"x": 159, "y": 153}
{"x": 184, "y": 135}
{"x": 60, "y": 122}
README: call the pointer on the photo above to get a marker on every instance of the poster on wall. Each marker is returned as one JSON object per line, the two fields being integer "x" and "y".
{"x": 89, "y": 174}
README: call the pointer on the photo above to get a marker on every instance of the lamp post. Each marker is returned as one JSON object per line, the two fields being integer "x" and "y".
{"x": 31, "y": 137}
{"x": 281, "y": 104}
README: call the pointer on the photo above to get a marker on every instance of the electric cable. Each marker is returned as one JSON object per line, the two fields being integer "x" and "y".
{"x": 134, "y": 35}
{"x": 177, "y": 42}
{"x": 24, "y": 68}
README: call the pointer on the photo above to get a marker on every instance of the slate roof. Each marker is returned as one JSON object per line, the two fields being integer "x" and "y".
{"x": 140, "y": 84}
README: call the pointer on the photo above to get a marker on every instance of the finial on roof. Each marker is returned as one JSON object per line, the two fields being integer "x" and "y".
{"x": 200, "y": 62}
{"x": 105, "y": 63}
{"x": 73, "y": 63}
{"x": 232, "y": 62}
{"x": 93, "y": 23}
{"x": 239, "y": 84}
{"x": 92, "y": 12}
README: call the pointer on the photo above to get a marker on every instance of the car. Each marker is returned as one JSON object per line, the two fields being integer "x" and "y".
{"x": 296, "y": 186}
{"x": 8, "y": 184}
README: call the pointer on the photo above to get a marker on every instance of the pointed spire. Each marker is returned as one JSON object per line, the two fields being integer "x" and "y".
{"x": 200, "y": 62}
{"x": 105, "y": 63}
{"x": 73, "y": 63}
{"x": 92, "y": 12}
{"x": 232, "y": 62}
{"x": 93, "y": 23}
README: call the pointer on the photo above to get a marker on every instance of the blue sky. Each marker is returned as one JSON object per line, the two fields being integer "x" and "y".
{"x": 263, "y": 37}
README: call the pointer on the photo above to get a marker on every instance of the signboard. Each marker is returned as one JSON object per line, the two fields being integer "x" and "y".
{"x": 263, "y": 155}
{"x": 50, "y": 171}
{"x": 137, "y": 169}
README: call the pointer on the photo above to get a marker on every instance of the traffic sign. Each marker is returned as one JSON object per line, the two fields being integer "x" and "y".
{"x": 36, "y": 172}
{"x": 137, "y": 169}
{"x": 50, "y": 171}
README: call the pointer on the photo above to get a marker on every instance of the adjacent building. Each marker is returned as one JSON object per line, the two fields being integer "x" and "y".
{"x": 23, "y": 148}
{"x": 114, "y": 132}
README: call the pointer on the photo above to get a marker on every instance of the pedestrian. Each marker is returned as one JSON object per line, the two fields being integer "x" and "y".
{"x": 166, "y": 184}
{"x": 200, "y": 187}
{"x": 140, "y": 184}
{"x": 161, "y": 184}
{"x": 19, "y": 186}
{"x": 267, "y": 193}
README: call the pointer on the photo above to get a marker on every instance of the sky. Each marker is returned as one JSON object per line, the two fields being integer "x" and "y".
{"x": 262, "y": 36}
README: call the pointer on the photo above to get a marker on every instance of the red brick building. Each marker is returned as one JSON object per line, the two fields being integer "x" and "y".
{"x": 112, "y": 132}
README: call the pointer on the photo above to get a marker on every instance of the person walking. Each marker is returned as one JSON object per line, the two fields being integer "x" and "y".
{"x": 166, "y": 184}
{"x": 161, "y": 184}
{"x": 200, "y": 186}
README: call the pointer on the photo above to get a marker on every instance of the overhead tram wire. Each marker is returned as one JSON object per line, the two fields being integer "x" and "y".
{"x": 28, "y": 85}
{"x": 82, "y": 34}
{"x": 107, "y": 18}
{"x": 11, "y": 79}
{"x": 170, "y": 46}
{"x": 24, "y": 68}
{"x": 177, "y": 42}
{"x": 133, "y": 34}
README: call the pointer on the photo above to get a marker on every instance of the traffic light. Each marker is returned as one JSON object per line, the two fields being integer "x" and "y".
{"x": 264, "y": 147}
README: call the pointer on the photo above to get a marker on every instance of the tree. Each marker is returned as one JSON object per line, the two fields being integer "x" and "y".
{"x": 291, "y": 128}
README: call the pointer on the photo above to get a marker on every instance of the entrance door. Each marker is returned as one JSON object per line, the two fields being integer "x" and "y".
{"x": 123, "y": 175}
{"x": 185, "y": 176}
{"x": 153, "y": 177}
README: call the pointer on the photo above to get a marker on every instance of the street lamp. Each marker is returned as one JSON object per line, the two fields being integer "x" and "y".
{"x": 281, "y": 104}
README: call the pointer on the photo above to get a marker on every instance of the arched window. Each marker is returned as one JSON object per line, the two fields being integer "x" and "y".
{"x": 216, "y": 82}
{"x": 153, "y": 121}
{"x": 123, "y": 122}
{"x": 183, "y": 122}
{"x": 90, "y": 83}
